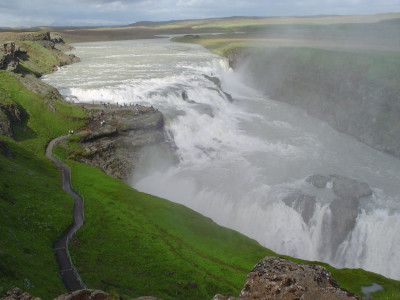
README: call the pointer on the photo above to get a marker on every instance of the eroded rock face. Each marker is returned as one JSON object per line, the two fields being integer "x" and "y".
{"x": 344, "y": 206}
{"x": 10, "y": 115}
{"x": 115, "y": 137}
{"x": 317, "y": 180}
{"x": 345, "y": 187}
{"x": 302, "y": 203}
{"x": 5, "y": 149}
{"x": 277, "y": 278}
{"x": 8, "y": 59}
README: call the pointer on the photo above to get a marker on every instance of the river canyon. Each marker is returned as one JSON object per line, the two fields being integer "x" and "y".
{"x": 241, "y": 155}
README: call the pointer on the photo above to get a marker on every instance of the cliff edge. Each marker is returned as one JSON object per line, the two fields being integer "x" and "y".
{"x": 356, "y": 93}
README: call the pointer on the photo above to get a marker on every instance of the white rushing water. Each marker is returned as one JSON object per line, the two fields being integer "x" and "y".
{"x": 238, "y": 160}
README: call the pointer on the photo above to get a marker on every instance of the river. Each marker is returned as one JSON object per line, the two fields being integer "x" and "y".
{"x": 238, "y": 159}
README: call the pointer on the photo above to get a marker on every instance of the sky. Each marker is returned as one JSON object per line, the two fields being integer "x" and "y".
{"x": 16, "y": 13}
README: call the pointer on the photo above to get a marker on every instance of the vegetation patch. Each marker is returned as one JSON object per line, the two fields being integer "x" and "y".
{"x": 38, "y": 60}
{"x": 34, "y": 210}
{"x": 138, "y": 244}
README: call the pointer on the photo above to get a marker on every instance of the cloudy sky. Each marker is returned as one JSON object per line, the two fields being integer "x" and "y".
{"x": 119, "y": 12}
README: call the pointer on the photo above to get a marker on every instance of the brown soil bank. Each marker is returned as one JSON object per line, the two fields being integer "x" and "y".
{"x": 356, "y": 93}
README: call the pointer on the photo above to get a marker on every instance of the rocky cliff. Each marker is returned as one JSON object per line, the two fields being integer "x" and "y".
{"x": 356, "y": 93}
{"x": 114, "y": 137}
{"x": 344, "y": 206}
{"x": 9, "y": 56}
{"x": 10, "y": 115}
{"x": 35, "y": 53}
{"x": 17, "y": 57}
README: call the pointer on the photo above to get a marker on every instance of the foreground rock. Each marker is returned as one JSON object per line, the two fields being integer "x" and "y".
{"x": 277, "y": 278}
{"x": 8, "y": 56}
{"x": 115, "y": 136}
{"x": 17, "y": 294}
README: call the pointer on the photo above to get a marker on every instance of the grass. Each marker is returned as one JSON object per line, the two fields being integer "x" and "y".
{"x": 40, "y": 123}
{"x": 34, "y": 211}
{"x": 244, "y": 22}
{"x": 38, "y": 60}
{"x": 137, "y": 244}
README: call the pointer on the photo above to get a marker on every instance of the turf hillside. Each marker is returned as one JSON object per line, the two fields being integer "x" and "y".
{"x": 34, "y": 210}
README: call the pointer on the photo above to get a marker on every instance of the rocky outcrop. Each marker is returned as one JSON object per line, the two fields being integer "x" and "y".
{"x": 302, "y": 203}
{"x": 344, "y": 207}
{"x": 278, "y": 278}
{"x": 9, "y": 56}
{"x": 10, "y": 115}
{"x": 17, "y": 294}
{"x": 217, "y": 83}
{"x": 5, "y": 149}
{"x": 19, "y": 48}
{"x": 115, "y": 136}
{"x": 355, "y": 93}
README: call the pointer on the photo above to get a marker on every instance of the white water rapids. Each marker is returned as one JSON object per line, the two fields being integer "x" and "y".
{"x": 237, "y": 160}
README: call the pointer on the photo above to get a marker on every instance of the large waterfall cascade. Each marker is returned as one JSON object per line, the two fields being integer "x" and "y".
{"x": 239, "y": 160}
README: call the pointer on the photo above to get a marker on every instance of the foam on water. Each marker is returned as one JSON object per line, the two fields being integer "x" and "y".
{"x": 237, "y": 161}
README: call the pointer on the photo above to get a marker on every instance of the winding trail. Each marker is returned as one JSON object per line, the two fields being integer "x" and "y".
{"x": 69, "y": 274}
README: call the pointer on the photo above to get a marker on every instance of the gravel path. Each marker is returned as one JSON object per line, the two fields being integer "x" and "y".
{"x": 68, "y": 272}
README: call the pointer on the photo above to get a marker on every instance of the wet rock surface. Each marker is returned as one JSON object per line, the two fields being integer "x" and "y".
{"x": 302, "y": 203}
{"x": 317, "y": 180}
{"x": 344, "y": 207}
{"x": 115, "y": 136}
{"x": 345, "y": 187}
{"x": 277, "y": 278}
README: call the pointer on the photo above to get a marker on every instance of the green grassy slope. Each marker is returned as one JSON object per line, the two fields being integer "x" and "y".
{"x": 38, "y": 60}
{"x": 137, "y": 244}
{"x": 34, "y": 211}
